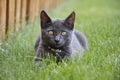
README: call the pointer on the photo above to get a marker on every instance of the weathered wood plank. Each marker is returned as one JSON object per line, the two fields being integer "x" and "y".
{"x": 2, "y": 18}
{"x": 32, "y": 9}
{"x": 17, "y": 14}
{"x": 10, "y": 16}
{"x": 23, "y": 11}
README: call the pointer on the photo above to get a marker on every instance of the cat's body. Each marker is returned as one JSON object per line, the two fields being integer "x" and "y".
{"x": 58, "y": 38}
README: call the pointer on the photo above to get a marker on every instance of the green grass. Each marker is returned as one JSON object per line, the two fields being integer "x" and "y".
{"x": 99, "y": 20}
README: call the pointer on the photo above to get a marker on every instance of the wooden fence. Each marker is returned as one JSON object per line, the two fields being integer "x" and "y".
{"x": 15, "y": 12}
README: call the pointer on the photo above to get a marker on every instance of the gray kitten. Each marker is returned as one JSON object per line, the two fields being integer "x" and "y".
{"x": 59, "y": 38}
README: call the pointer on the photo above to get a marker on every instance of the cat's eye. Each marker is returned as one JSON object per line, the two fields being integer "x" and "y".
{"x": 50, "y": 32}
{"x": 63, "y": 33}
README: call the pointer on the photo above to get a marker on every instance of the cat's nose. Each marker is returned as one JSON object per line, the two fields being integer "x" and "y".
{"x": 57, "y": 39}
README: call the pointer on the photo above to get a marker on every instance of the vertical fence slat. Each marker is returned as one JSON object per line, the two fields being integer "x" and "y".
{"x": 37, "y": 7}
{"x": 2, "y": 18}
{"x": 23, "y": 11}
{"x": 41, "y": 2}
{"x": 33, "y": 9}
{"x": 17, "y": 14}
{"x": 47, "y": 5}
{"x": 10, "y": 15}
{"x": 30, "y": 10}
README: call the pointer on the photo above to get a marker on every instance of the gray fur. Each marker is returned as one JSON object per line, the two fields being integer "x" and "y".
{"x": 74, "y": 41}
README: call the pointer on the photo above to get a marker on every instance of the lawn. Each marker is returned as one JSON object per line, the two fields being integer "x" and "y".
{"x": 99, "y": 20}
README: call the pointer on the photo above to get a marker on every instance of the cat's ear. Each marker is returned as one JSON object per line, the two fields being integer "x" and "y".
{"x": 45, "y": 19}
{"x": 69, "y": 21}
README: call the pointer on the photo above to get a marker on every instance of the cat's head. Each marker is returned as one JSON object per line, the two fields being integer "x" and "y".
{"x": 56, "y": 33}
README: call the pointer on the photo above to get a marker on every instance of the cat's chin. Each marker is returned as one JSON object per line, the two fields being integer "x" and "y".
{"x": 58, "y": 45}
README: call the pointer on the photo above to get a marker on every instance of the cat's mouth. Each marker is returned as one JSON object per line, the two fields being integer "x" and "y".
{"x": 57, "y": 45}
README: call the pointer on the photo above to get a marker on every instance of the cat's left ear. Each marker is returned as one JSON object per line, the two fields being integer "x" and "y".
{"x": 69, "y": 21}
{"x": 45, "y": 19}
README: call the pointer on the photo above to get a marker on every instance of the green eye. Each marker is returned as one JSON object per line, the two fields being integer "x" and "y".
{"x": 63, "y": 33}
{"x": 50, "y": 32}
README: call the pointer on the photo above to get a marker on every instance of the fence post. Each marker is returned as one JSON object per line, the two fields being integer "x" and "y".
{"x": 23, "y": 11}
{"x": 2, "y": 18}
{"x": 17, "y": 14}
{"x": 10, "y": 16}
{"x": 31, "y": 10}
{"x": 41, "y": 2}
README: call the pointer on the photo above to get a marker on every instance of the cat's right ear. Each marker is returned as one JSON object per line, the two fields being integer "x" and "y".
{"x": 69, "y": 21}
{"x": 45, "y": 19}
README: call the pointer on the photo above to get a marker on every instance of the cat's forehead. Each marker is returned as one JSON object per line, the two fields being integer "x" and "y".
{"x": 57, "y": 22}
{"x": 58, "y": 25}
